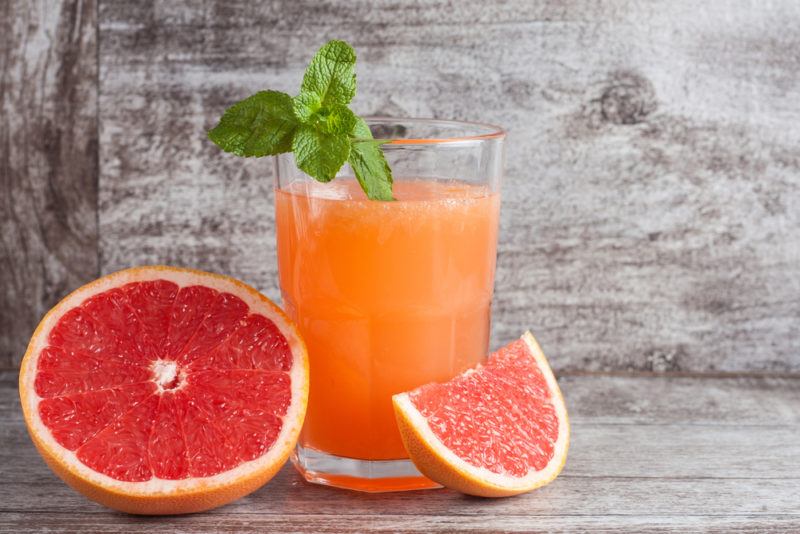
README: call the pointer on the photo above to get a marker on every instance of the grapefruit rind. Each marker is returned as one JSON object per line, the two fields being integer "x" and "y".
{"x": 161, "y": 496}
{"x": 440, "y": 464}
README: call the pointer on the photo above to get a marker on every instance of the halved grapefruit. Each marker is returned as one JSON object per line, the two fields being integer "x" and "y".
{"x": 497, "y": 430}
{"x": 160, "y": 390}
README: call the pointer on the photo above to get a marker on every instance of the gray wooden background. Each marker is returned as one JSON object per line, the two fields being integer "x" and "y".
{"x": 651, "y": 211}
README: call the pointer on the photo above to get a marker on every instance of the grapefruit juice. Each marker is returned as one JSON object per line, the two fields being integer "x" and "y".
{"x": 387, "y": 295}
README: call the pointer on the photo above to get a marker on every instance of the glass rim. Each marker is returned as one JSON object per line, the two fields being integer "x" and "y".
{"x": 492, "y": 132}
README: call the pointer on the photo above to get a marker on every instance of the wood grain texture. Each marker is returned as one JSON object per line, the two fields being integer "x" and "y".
{"x": 651, "y": 216}
{"x": 648, "y": 455}
{"x": 48, "y": 161}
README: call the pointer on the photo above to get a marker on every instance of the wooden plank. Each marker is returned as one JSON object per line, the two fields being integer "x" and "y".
{"x": 651, "y": 216}
{"x": 48, "y": 160}
{"x": 680, "y": 454}
{"x": 288, "y": 495}
{"x": 401, "y": 524}
{"x": 658, "y": 400}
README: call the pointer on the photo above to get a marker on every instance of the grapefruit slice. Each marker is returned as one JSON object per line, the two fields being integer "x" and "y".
{"x": 497, "y": 430}
{"x": 159, "y": 390}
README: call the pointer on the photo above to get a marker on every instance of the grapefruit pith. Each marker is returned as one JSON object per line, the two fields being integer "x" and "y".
{"x": 497, "y": 430}
{"x": 161, "y": 390}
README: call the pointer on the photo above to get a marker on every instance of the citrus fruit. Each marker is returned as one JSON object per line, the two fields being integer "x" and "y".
{"x": 497, "y": 430}
{"x": 159, "y": 390}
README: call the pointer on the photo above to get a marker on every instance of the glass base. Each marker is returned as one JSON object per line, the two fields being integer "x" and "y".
{"x": 374, "y": 476}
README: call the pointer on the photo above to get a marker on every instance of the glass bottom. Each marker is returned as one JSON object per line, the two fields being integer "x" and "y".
{"x": 373, "y": 476}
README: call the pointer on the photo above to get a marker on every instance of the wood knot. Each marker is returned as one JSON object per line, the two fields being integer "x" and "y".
{"x": 661, "y": 359}
{"x": 628, "y": 98}
{"x": 388, "y": 131}
{"x": 389, "y": 108}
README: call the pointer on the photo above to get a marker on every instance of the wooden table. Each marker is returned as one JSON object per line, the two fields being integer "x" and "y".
{"x": 649, "y": 454}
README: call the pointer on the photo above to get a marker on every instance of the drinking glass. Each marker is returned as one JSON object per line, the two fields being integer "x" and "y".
{"x": 388, "y": 295}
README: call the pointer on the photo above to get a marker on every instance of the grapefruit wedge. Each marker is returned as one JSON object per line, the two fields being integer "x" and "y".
{"x": 497, "y": 430}
{"x": 159, "y": 390}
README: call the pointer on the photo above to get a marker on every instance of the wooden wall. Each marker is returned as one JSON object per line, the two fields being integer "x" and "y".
{"x": 651, "y": 211}
{"x": 48, "y": 161}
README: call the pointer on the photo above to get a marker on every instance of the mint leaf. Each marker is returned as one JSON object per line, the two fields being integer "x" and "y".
{"x": 371, "y": 169}
{"x": 369, "y": 164}
{"x": 336, "y": 119}
{"x": 361, "y": 130}
{"x": 316, "y": 125}
{"x": 306, "y": 105}
{"x": 320, "y": 154}
{"x": 260, "y": 125}
{"x": 331, "y": 75}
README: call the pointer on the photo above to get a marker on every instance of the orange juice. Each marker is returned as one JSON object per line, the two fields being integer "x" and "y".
{"x": 387, "y": 295}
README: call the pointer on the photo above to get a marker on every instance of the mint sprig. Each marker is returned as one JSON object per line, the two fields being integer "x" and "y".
{"x": 317, "y": 125}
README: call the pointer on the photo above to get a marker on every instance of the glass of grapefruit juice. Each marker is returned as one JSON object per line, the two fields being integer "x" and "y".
{"x": 388, "y": 295}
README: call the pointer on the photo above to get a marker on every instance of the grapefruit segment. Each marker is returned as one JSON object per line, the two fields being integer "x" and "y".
{"x": 75, "y": 419}
{"x": 62, "y": 374}
{"x": 159, "y": 390}
{"x": 151, "y": 302}
{"x": 220, "y": 322}
{"x": 255, "y": 343}
{"x": 167, "y": 446}
{"x": 191, "y": 306}
{"x": 500, "y": 429}
{"x": 120, "y": 450}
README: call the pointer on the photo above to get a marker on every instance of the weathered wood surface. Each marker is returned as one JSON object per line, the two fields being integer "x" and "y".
{"x": 652, "y": 204}
{"x": 648, "y": 454}
{"x": 48, "y": 161}
{"x": 651, "y": 216}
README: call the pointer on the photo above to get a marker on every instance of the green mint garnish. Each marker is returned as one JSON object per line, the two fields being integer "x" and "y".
{"x": 316, "y": 125}
{"x": 371, "y": 168}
